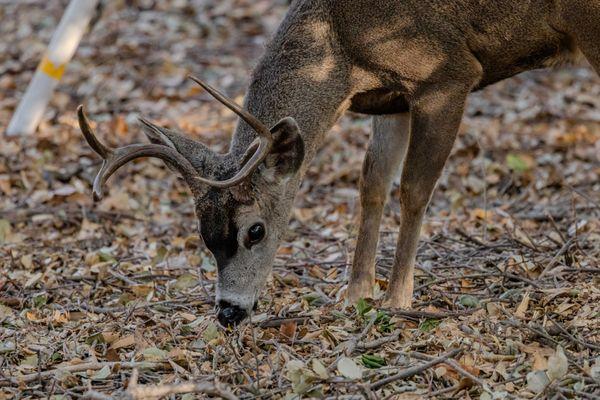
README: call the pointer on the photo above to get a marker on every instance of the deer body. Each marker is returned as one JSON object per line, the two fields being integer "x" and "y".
{"x": 411, "y": 64}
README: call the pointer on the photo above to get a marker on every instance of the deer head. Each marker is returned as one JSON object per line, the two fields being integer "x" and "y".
{"x": 242, "y": 203}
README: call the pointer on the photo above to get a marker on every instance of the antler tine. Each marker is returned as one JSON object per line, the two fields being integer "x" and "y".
{"x": 262, "y": 145}
{"x": 247, "y": 168}
{"x": 116, "y": 158}
{"x": 250, "y": 119}
{"x": 89, "y": 135}
{"x": 113, "y": 159}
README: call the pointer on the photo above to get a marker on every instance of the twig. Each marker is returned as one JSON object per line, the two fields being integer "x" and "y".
{"x": 153, "y": 392}
{"x": 354, "y": 341}
{"x": 582, "y": 270}
{"x": 407, "y": 373}
{"x": 595, "y": 204}
{"x": 555, "y": 259}
{"x": 122, "y": 277}
{"x": 590, "y": 346}
{"x": 577, "y": 394}
{"x": 457, "y": 367}
{"x": 415, "y": 314}
{"x": 109, "y": 310}
{"x": 95, "y": 395}
{"x": 84, "y": 367}
{"x": 373, "y": 344}
{"x": 254, "y": 351}
{"x": 275, "y": 322}
{"x": 470, "y": 238}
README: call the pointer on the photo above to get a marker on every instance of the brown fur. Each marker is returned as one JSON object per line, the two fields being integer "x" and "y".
{"x": 376, "y": 57}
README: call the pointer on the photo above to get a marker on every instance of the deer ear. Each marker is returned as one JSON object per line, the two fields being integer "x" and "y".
{"x": 287, "y": 152}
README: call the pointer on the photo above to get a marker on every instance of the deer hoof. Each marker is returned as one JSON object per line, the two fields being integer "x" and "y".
{"x": 402, "y": 301}
{"x": 359, "y": 291}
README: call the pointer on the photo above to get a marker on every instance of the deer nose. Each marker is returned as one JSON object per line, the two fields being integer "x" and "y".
{"x": 230, "y": 315}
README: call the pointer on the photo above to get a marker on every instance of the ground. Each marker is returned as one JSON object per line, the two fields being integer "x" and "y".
{"x": 115, "y": 299}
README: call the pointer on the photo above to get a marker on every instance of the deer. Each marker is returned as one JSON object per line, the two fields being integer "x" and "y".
{"x": 410, "y": 65}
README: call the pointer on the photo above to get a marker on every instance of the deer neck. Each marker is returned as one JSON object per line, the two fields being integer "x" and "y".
{"x": 303, "y": 75}
{"x": 300, "y": 99}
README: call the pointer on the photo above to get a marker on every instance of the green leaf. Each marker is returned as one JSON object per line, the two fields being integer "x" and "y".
{"x": 362, "y": 307}
{"x": 7, "y": 347}
{"x": 313, "y": 299}
{"x": 96, "y": 337}
{"x": 211, "y": 332}
{"x": 186, "y": 329}
{"x": 185, "y": 281}
{"x": 161, "y": 253}
{"x": 154, "y": 354}
{"x": 5, "y": 230}
{"x": 469, "y": 301}
{"x": 429, "y": 325}
{"x": 383, "y": 321}
{"x": 105, "y": 256}
{"x": 516, "y": 163}
{"x": 101, "y": 374}
{"x": 30, "y": 361}
{"x": 372, "y": 361}
{"x": 338, "y": 314}
{"x": 40, "y": 300}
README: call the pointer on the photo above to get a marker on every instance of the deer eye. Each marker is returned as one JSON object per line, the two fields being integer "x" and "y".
{"x": 256, "y": 233}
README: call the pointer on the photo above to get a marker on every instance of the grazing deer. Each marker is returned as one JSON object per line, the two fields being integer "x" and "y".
{"x": 411, "y": 64}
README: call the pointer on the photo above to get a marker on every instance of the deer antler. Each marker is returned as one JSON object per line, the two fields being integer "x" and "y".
{"x": 263, "y": 142}
{"x": 116, "y": 158}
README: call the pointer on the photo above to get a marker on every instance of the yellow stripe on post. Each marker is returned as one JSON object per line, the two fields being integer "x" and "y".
{"x": 49, "y": 68}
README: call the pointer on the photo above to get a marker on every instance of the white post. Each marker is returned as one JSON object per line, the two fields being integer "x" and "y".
{"x": 64, "y": 42}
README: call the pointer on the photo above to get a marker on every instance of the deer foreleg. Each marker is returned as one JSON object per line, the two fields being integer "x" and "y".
{"x": 384, "y": 156}
{"x": 435, "y": 119}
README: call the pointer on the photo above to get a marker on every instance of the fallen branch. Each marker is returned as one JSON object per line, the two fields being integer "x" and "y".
{"x": 85, "y": 367}
{"x": 95, "y": 395}
{"x": 172, "y": 303}
{"x": 276, "y": 322}
{"x": 572, "y": 338}
{"x": 354, "y": 341}
{"x": 407, "y": 373}
{"x": 158, "y": 391}
{"x": 415, "y": 314}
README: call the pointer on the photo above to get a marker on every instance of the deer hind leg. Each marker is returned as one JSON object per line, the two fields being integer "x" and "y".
{"x": 384, "y": 156}
{"x": 435, "y": 119}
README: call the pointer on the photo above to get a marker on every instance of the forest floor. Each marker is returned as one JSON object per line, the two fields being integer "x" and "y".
{"x": 115, "y": 299}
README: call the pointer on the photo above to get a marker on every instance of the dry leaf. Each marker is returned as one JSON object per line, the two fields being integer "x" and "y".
{"x": 522, "y": 307}
{"x": 349, "y": 369}
{"x": 126, "y": 341}
{"x": 558, "y": 365}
